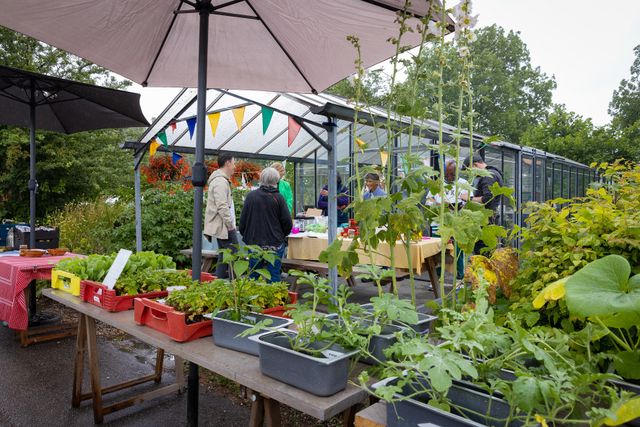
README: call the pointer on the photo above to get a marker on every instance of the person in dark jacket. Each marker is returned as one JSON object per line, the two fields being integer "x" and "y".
{"x": 482, "y": 193}
{"x": 265, "y": 221}
{"x": 343, "y": 201}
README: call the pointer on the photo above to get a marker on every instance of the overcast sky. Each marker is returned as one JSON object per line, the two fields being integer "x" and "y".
{"x": 586, "y": 44}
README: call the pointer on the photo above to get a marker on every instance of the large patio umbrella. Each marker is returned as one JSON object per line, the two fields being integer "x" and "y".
{"x": 278, "y": 45}
{"x": 37, "y": 101}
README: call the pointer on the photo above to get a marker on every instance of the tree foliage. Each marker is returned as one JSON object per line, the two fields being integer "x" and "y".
{"x": 69, "y": 167}
{"x": 625, "y": 104}
{"x": 567, "y": 134}
{"x": 510, "y": 94}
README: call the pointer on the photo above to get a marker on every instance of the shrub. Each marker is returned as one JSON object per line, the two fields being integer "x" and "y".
{"x": 558, "y": 243}
{"x": 167, "y": 222}
{"x": 87, "y": 227}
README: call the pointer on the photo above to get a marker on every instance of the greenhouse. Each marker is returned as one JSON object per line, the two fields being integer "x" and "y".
{"x": 533, "y": 174}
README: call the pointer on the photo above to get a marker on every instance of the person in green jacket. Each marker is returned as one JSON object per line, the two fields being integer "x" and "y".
{"x": 283, "y": 186}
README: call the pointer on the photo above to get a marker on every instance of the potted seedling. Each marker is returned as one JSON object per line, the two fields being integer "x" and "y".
{"x": 316, "y": 357}
{"x": 245, "y": 298}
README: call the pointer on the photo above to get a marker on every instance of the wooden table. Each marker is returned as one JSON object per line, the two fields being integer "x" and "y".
{"x": 424, "y": 254}
{"x": 239, "y": 367}
{"x": 208, "y": 257}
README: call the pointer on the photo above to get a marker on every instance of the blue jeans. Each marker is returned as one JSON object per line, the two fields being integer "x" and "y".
{"x": 274, "y": 270}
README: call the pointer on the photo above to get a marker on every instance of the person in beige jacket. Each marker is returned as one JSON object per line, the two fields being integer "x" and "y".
{"x": 220, "y": 217}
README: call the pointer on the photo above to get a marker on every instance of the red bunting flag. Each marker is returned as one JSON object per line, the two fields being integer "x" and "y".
{"x": 173, "y": 126}
{"x": 294, "y": 130}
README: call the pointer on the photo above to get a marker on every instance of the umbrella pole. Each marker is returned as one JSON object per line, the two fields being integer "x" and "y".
{"x": 199, "y": 179}
{"x": 33, "y": 186}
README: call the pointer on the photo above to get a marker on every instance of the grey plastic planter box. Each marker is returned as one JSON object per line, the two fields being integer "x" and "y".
{"x": 225, "y": 331}
{"x": 472, "y": 403}
{"x": 422, "y": 327}
{"x": 321, "y": 376}
{"x": 632, "y": 388}
{"x": 378, "y": 343}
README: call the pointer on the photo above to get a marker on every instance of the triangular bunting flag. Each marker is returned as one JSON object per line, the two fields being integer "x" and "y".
{"x": 214, "y": 118}
{"x": 153, "y": 147}
{"x": 175, "y": 158}
{"x": 173, "y": 126}
{"x": 384, "y": 156}
{"x": 267, "y": 113}
{"x": 294, "y": 130}
{"x": 162, "y": 136}
{"x": 238, "y": 113}
{"x": 191, "y": 124}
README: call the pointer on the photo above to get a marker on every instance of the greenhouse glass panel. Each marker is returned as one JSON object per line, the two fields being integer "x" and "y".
{"x": 580, "y": 191}
{"x": 557, "y": 180}
{"x": 549, "y": 180}
{"x": 527, "y": 179}
{"x": 573, "y": 181}
{"x": 539, "y": 180}
{"x": 566, "y": 185}
{"x": 305, "y": 181}
{"x": 509, "y": 174}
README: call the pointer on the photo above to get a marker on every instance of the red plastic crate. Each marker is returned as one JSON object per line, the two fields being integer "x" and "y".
{"x": 99, "y": 295}
{"x": 205, "y": 277}
{"x": 281, "y": 310}
{"x": 167, "y": 320}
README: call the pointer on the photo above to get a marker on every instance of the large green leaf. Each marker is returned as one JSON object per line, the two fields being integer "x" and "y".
{"x": 603, "y": 288}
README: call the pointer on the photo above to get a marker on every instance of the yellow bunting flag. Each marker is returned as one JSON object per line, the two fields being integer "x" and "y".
{"x": 214, "y": 118}
{"x": 153, "y": 147}
{"x": 383, "y": 157}
{"x": 238, "y": 113}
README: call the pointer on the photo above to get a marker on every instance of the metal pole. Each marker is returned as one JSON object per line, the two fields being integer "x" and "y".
{"x": 137, "y": 202}
{"x": 199, "y": 179}
{"x": 33, "y": 188}
{"x": 332, "y": 210}
{"x": 33, "y": 184}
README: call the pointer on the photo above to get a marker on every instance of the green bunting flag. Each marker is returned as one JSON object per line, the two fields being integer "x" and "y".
{"x": 267, "y": 114}
{"x": 162, "y": 136}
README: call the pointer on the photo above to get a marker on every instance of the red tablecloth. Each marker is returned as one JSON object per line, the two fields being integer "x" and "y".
{"x": 16, "y": 273}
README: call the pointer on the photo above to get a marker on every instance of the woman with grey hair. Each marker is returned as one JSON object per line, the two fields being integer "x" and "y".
{"x": 265, "y": 221}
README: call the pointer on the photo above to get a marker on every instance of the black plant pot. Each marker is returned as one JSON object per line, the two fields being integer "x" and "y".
{"x": 469, "y": 408}
{"x": 226, "y": 331}
{"x": 321, "y": 376}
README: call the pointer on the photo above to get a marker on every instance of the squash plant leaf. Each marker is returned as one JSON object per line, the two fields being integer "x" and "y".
{"x": 627, "y": 364}
{"x": 603, "y": 288}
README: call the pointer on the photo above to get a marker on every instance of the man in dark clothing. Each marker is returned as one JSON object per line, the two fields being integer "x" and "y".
{"x": 343, "y": 201}
{"x": 482, "y": 193}
{"x": 265, "y": 221}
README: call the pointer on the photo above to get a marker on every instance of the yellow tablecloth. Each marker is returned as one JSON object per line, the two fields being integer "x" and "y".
{"x": 309, "y": 248}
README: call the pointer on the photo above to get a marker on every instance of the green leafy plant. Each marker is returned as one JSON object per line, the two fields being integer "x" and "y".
{"x": 541, "y": 372}
{"x": 603, "y": 293}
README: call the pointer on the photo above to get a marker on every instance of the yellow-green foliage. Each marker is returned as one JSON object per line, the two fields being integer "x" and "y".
{"x": 557, "y": 243}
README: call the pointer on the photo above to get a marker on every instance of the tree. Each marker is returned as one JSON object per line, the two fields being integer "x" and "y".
{"x": 510, "y": 94}
{"x": 625, "y": 104}
{"x": 570, "y": 135}
{"x": 69, "y": 167}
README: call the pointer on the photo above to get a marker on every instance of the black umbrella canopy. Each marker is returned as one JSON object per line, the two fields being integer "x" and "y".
{"x": 63, "y": 105}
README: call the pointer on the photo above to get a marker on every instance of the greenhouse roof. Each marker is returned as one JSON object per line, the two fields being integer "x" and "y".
{"x": 252, "y": 140}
